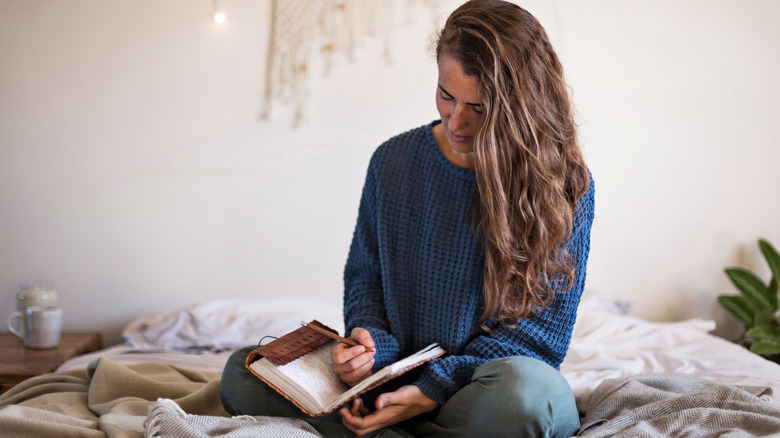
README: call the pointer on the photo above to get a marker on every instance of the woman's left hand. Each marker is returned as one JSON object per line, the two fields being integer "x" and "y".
{"x": 391, "y": 408}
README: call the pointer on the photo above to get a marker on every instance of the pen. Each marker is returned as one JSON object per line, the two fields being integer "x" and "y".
{"x": 332, "y": 335}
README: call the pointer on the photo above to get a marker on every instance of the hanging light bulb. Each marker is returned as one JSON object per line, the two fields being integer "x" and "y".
{"x": 219, "y": 16}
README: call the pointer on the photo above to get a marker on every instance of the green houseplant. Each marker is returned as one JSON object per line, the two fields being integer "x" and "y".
{"x": 757, "y": 305}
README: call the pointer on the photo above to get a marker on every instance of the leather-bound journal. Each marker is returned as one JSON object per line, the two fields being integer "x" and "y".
{"x": 298, "y": 366}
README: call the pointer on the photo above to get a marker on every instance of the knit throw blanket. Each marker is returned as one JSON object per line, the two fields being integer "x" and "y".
{"x": 167, "y": 420}
{"x": 673, "y": 405}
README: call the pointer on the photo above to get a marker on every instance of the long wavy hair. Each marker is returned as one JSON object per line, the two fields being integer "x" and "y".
{"x": 529, "y": 168}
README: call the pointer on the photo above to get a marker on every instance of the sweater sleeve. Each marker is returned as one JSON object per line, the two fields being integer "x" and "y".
{"x": 364, "y": 304}
{"x": 545, "y": 337}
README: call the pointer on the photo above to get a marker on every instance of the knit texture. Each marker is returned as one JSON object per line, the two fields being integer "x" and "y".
{"x": 415, "y": 269}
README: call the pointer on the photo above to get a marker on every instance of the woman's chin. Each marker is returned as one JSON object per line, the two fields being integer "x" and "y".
{"x": 463, "y": 145}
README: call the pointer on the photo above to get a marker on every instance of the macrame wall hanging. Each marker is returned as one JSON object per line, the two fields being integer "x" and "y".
{"x": 302, "y": 30}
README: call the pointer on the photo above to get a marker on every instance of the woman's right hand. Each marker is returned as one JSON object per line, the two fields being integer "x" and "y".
{"x": 353, "y": 364}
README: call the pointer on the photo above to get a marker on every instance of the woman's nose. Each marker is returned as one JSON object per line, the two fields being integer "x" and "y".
{"x": 457, "y": 120}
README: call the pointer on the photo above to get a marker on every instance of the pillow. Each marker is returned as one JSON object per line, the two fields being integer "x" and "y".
{"x": 592, "y": 302}
{"x": 223, "y": 324}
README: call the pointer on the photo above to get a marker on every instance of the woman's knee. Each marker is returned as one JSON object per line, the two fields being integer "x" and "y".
{"x": 524, "y": 378}
{"x": 524, "y": 395}
{"x": 238, "y": 386}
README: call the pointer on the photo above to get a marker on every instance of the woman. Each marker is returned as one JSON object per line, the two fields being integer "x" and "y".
{"x": 472, "y": 232}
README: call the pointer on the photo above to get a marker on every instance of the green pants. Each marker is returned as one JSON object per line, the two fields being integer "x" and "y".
{"x": 510, "y": 397}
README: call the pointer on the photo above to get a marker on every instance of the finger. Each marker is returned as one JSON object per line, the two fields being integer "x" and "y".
{"x": 381, "y": 402}
{"x": 346, "y": 413}
{"x": 353, "y": 364}
{"x": 356, "y": 404}
{"x": 397, "y": 397}
{"x": 349, "y": 420}
{"x": 355, "y": 376}
{"x": 358, "y": 408}
{"x": 336, "y": 351}
{"x": 355, "y": 423}
{"x": 361, "y": 425}
{"x": 352, "y": 417}
{"x": 363, "y": 336}
{"x": 342, "y": 354}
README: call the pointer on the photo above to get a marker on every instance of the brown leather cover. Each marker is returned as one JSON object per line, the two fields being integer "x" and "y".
{"x": 291, "y": 346}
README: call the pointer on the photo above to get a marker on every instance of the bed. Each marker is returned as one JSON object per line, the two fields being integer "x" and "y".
{"x": 631, "y": 377}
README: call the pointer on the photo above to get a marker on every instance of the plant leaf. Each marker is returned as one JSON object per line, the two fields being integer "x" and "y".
{"x": 763, "y": 317}
{"x": 751, "y": 287}
{"x": 773, "y": 292}
{"x": 765, "y": 333}
{"x": 773, "y": 260}
{"x": 771, "y": 256}
{"x": 739, "y": 307}
{"x": 765, "y": 347}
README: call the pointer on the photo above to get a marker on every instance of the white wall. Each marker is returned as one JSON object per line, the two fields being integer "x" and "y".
{"x": 135, "y": 174}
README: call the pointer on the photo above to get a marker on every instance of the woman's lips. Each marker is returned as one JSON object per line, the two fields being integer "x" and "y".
{"x": 459, "y": 138}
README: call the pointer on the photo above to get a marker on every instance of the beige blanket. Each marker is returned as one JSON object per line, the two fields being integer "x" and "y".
{"x": 105, "y": 400}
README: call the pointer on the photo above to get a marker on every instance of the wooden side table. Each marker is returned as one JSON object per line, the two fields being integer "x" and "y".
{"x": 18, "y": 363}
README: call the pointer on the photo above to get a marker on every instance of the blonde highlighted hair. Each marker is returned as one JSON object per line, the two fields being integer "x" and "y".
{"x": 529, "y": 167}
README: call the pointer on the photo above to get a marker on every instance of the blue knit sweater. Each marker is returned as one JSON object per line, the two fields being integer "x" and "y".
{"x": 415, "y": 270}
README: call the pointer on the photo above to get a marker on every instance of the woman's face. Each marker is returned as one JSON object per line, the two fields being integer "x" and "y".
{"x": 457, "y": 99}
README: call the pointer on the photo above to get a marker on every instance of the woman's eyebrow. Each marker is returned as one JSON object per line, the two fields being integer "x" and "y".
{"x": 452, "y": 97}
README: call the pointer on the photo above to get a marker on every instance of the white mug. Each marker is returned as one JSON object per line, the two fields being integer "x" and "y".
{"x": 42, "y": 326}
{"x": 35, "y": 295}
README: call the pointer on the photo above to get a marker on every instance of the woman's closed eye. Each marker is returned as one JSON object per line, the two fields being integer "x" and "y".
{"x": 444, "y": 96}
{"x": 476, "y": 107}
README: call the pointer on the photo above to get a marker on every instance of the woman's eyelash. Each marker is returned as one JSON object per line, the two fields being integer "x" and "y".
{"x": 445, "y": 96}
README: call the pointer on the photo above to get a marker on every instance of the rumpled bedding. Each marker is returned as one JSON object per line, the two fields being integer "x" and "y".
{"x": 105, "y": 400}
{"x": 611, "y": 346}
{"x": 677, "y": 405}
{"x": 112, "y": 396}
{"x": 225, "y": 324}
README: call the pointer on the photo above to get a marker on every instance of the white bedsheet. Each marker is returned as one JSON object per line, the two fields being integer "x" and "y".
{"x": 609, "y": 346}
{"x": 227, "y": 323}
{"x": 202, "y": 335}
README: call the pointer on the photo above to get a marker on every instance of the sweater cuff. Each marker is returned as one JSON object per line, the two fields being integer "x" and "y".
{"x": 432, "y": 389}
